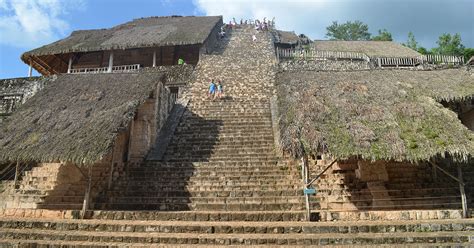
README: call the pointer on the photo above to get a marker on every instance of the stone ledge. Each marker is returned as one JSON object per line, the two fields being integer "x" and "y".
{"x": 39, "y": 213}
{"x": 391, "y": 215}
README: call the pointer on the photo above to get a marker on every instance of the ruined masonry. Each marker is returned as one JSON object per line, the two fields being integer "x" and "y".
{"x": 220, "y": 181}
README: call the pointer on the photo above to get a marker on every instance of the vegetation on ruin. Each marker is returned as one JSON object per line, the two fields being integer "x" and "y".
{"x": 377, "y": 115}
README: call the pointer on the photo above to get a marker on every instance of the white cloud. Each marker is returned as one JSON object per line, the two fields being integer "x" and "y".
{"x": 30, "y": 23}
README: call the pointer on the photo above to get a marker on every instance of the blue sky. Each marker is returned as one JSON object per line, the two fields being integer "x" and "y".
{"x": 27, "y": 24}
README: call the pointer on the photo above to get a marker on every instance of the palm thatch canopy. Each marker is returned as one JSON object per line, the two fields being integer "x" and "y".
{"x": 75, "y": 117}
{"x": 375, "y": 115}
{"x": 370, "y": 48}
{"x": 286, "y": 37}
{"x": 143, "y": 32}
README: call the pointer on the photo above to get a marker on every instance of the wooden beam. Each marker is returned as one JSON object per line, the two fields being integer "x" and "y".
{"x": 85, "y": 204}
{"x": 463, "y": 193}
{"x": 111, "y": 61}
{"x": 161, "y": 55}
{"x": 62, "y": 63}
{"x": 320, "y": 174}
{"x": 30, "y": 69}
{"x": 45, "y": 65}
{"x": 69, "y": 65}
{"x": 447, "y": 173}
{"x": 17, "y": 171}
{"x": 111, "y": 168}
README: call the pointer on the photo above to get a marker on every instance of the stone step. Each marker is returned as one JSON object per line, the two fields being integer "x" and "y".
{"x": 237, "y": 239}
{"x": 265, "y": 200}
{"x": 229, "y": 144}
{"x": 174, "y": 187}
{"x": 216, "y": 154}
{"x": 223, "y": 193}
{"x": 225, "y": 140}
{"x": 92, "y": 244}
{"x": 202, "y": 206}
{"x": 175, "y": 146}
{"x": 238, "y": 227}
{"x": 221, "y": 119}
{"x": 210, "y": 125}
{"x": 180, "y": 175}
{"x": 212, "y": 178}
{"x": 203, "y": 182}
{"x": 251, "y": 165}
{"x": 237, "y": 158}
{"x": 215, "y": 134}
{"x": 221, "y": 150}
{"x": 223, "y": 168}
{"x": 270, "y": 216}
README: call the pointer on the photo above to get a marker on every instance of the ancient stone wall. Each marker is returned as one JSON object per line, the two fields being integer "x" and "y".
{"x": 354, "y": 188}
{"x": 147, "y": 123}
{"x": 16, "y": 91}
{"x": 324, "y": 65}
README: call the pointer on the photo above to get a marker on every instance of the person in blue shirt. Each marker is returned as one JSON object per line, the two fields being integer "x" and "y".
{"x": 212, "y": 90}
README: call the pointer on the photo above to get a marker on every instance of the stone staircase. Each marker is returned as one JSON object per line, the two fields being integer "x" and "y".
{"x": 220, "y": 182}
{"x": 221, "y": 157}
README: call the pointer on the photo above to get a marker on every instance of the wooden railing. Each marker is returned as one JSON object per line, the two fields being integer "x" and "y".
{"x": 118, "y": 68}
{"x": 395, "y": 62}
{"x": 441, "y": 59}
{"x": 315, "y": 54}
{"x": 377, "y": 61}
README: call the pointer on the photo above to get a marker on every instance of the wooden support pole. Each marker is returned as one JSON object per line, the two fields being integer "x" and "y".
{"x": 85, "y": 204}
{"x": 161, "y": 56}
{"x": 30, "y": 69}
{"x": 17, "y": 171}
{"x": 463, "y": 193}
{"x": 434, "y": 173}
{"x": 447, "y": 173}
{"x": 111, "y": 61}
{"x": 305, "y": 174}
{"x": 111, "y": 175}
{"x": 130, "y": 137}
{"x": 154, "y": 58}
{"x": 69, "y": 65}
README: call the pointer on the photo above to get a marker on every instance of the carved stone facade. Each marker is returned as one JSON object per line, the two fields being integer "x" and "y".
{"x": 15, "y": 91}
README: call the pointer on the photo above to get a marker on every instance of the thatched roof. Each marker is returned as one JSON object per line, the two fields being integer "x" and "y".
{"x": 286, "y": 37}
{"x": 144, "y": 32}
{"x": 377, "y": 115}
{"x": 75, "y": 117}
{"x": 370, "y": 48}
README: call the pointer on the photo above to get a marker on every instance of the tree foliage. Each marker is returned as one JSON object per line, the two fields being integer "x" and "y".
{"x": 383, "y": 35}
{"x": 411, "y": 42}
{"x": 449, "y": 45}
{"x": 356, "y": 30}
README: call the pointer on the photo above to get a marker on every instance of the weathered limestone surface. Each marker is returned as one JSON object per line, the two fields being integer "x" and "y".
{"x": 16, "y": 91}
{"x": 324, "y": 65}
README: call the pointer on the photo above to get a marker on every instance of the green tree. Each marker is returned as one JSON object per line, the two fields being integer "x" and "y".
{"x": 423, "y": 50}
{"x": 449, "y": 45}
{"x": 348, "y": 31}
{"x": 384, "y": 35}
{"x": 411, "y": 42}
